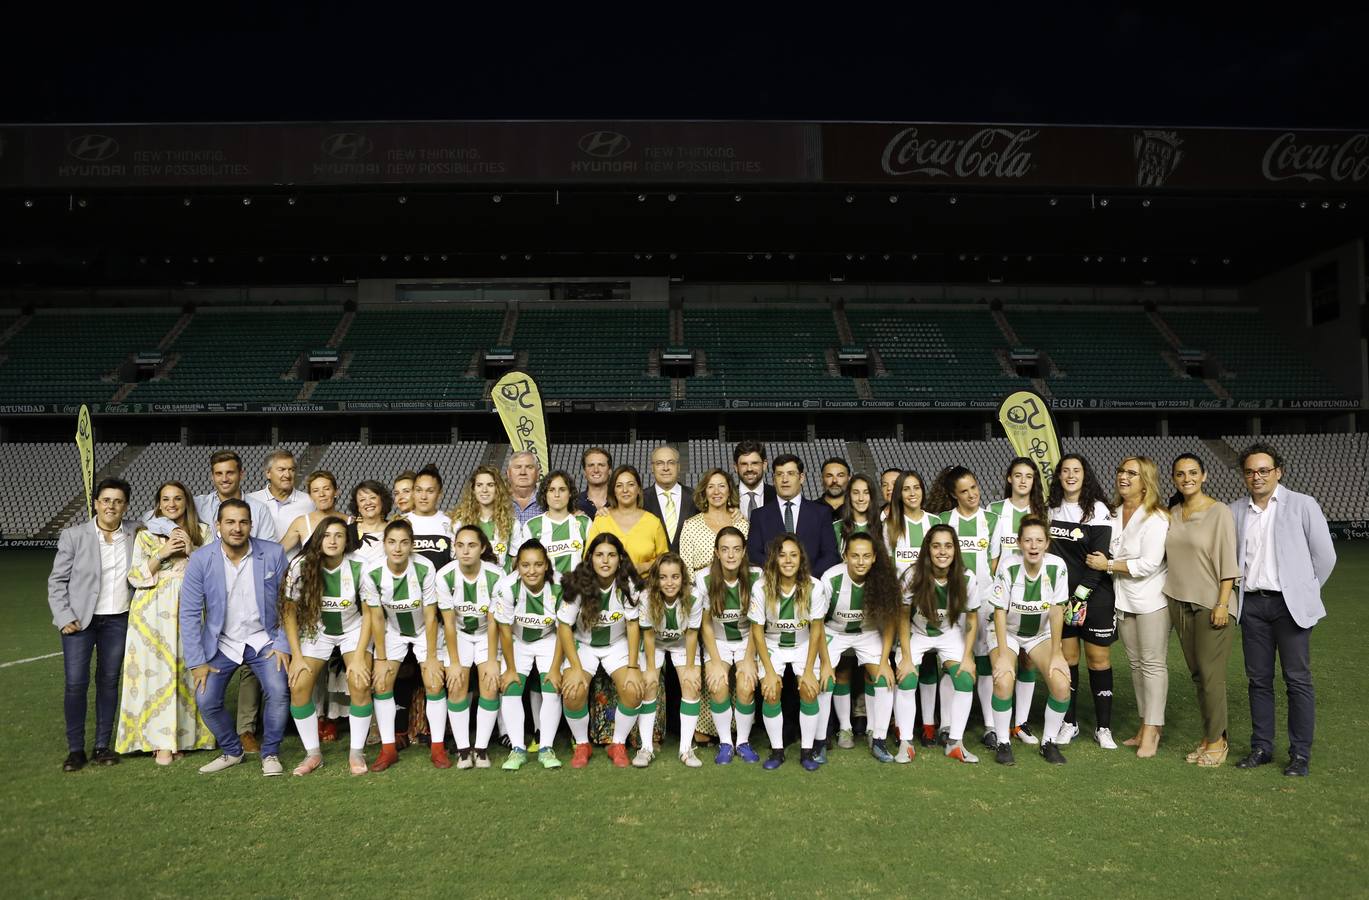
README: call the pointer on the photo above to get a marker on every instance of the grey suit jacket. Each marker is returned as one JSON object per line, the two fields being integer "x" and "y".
{"x": 74, "y": 585}
{"x": 1303, "y": 552}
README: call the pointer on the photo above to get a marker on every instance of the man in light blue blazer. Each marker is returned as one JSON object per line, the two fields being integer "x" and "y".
{"x": 1285, "y": 555}
{"x": 228, "y": 620}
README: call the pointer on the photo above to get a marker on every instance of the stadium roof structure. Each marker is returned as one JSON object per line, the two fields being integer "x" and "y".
{"x": 234, "y": 203}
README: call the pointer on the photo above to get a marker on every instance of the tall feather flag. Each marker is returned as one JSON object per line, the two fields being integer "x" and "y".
{"x": 518, "y": 401}
{"x": 85, "y": 444}
{"x": 1030, "y": 428}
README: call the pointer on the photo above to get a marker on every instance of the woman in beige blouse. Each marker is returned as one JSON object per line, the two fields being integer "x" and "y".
{"x": 1200, "y": 549}
{"x": 716, "y": 495}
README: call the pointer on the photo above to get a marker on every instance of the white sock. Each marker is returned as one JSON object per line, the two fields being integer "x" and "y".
{"x": 961, "y": 704}
{"x": 512, "y": 708}
{"x": 824, "y": 714}
{"x": 945, "y": 689}
{"x": 646, "y": 724}
{"x": 1022, "y": 700}
{"x": 984, "y": 687}
{"x": 486, "y": 715}
{"x": 1053, "y": 722}
{"x": 926, "y": 698}
{"x": 623, "y": 722}
{"x": 308, "y": 730}
{"x": 1000, "y": 725}
{"x": 722, "y": 718}
{"x": 774, "y": 728}
{"x": 385, "y": 718}
{"x": 687, "y": 722}
{"x": 842, "y": 704}
{"x": 744, "y": 722}
{"x": 905, "y": 712}
{"x": 808, "y": 727}
{"x": 437, "y": 719}
{"x": 360, "y": 726}
{"x": 578, "y": 725}
{"x": 548, "y": 718}
{"x": 881, "y": 709}
{"x": 461, "y": 725}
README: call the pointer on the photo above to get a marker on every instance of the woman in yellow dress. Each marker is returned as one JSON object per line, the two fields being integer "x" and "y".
{"x": 157, "y": 710}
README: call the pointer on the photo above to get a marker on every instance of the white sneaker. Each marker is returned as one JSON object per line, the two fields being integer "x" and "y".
{"x": 1104, "y": 738}
{"x": 270, "y": 765}
{"x": 960, "y": 752}
{"x": 689, "y": 759}
{"x": 1068, "y": 732}
{"x": 219, "y": 764}
{"x": 643, "y": 758}
{"x": 905, "y": 752}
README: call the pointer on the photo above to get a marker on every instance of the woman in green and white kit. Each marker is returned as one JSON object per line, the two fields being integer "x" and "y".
{"x": 525, "y": 606}
{"x": 1028, "y": 597}
{"x": 486, "y": 503}
{"x": 562, "y": 531}
{"x": 320, "y": 609}
{"x": 723, "y": 593}
{"x": 465, "y": 601}
{"x": 669, "y": 617}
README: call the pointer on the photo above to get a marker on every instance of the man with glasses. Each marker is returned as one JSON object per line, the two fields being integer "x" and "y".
{"x": 668, "y": 500}
{"x": 1285, "y": 555}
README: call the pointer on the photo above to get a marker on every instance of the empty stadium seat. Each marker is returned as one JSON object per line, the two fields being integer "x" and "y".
{"x": 764, "y": 352}
{"x": 1259, "y": 361}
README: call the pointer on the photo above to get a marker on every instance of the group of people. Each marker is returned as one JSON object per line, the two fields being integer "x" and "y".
{"x": 533, "y": 598}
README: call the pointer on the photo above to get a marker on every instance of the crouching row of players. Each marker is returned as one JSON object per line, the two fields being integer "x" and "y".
{"x": 749, "y": 628}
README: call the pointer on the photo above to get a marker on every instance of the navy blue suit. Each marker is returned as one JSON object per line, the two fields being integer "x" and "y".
{"x": 815, "y": 533}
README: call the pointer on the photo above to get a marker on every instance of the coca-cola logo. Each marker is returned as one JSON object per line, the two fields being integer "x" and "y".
{"x": 988, "y": 153}
{"x": 1346, "y": 159}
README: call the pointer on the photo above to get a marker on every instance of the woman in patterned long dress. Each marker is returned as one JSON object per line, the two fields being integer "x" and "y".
{"x": 157, "y": 710}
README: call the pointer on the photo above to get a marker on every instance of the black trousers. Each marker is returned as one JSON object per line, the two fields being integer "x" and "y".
{"x": 1267, "y": 629}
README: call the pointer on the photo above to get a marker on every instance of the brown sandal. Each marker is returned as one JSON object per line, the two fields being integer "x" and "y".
{"x": 1197, "y": 751}
{"x": 1213, "y": 757}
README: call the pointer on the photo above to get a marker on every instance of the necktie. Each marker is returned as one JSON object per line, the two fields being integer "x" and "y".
{"x": 789, "y": 515}
{"x": 751, "y": 503}
{"x": 671, "y": 515}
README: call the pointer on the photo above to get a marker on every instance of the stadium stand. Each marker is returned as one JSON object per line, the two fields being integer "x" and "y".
{"x": 381, "y": 362}
{"x": 1334, "y": 468}
{"x": 65, "y": 356}
{"x": 765, "y": 351}
{"x": 1257, "y": 361}
{"x": 24, "y": 507}
{"x": 223, "y": 355}
{"x": 600, "y": 353}
{"x": 934, "y": 354}
{"x": 1112, "y": 353}
{"x": 985, "y": 458}
{"x": 352, "y": 462}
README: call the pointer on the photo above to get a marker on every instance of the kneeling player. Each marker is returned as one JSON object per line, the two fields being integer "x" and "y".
{"x": 1028, "y": 596}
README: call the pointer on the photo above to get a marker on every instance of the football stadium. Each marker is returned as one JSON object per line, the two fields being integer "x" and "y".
{"x": 843, "y": 462}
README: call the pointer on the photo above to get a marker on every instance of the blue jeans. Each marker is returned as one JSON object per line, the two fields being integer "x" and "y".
{"x": 104, "y": 637}
{"x": 276, "y": 702}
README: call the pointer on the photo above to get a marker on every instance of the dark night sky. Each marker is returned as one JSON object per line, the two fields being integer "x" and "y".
{"x": 348, "y": 60}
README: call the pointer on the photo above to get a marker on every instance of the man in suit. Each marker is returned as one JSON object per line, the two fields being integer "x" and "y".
{"x": 748, "y": 460}
{"x": 811, "y": 520}
{"x": 228, "y": 620}
{"x": 1285, "y": 555}
{"x": 88, "y": 593}
{"x": 669, "y": 500}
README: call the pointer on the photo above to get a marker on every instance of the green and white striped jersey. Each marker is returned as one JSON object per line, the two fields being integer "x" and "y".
{"x": 933, "y": 629}
{"x": 845, "y": 607}
{"x": 401, "y": 596}
{"x": 978, "y": 538}
{"x": 609, "y": 628}
{"x": 1009, "y": 517}
{"x": 500, "y": 543}
{"x": 855, "y": 529}
{"x": 340, "y": 609}
{"x": 908, "y": 547}
{"x": 531, "y": 616}
{"x": 565, "y": 540}
{"x": 670, "y": 631}
{"x": 471, "y": 601}
{"x": 787, "y": 628}
{"x": 1027, "y": 601}
{"x": 732, "y": 625}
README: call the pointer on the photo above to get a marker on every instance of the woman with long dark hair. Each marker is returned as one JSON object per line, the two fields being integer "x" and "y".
{"x": 859, "y": 511}
{"x": 670, "y": 617}
{"x": 723, "y": 592}
{"x": 597, "y": 626}
{"x": 320, "y": 610}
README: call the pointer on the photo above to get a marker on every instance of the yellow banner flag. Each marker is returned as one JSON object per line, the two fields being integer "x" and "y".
{"x": 1031, "y": 430}
{"x": 85, "y": 443}
{"x": 519, "y": 404}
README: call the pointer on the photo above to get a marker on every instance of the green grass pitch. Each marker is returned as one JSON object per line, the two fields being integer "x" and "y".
{"x": 1106, "y": 824}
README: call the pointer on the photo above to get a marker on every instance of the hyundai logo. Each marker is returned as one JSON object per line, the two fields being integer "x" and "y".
{"x": 604, "y": 144}
{"x": 347, "y": 146}
{"x": 93, "y": 147}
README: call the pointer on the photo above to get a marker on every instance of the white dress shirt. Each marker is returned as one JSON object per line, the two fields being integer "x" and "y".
{"x": 797, "y": 501}
{"x": 113, "y": 574}
{"x": 283, "y": 512}
{"x": 1141, "y": 542}
{"x": 674, "y": 493}
{"x": 242, "y": 626}
{"x": 749, "y": 496}
{"x": 1261, "y": 563}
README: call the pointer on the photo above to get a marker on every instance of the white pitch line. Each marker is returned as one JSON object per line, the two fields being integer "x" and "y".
{"x": 19, "y": 662}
